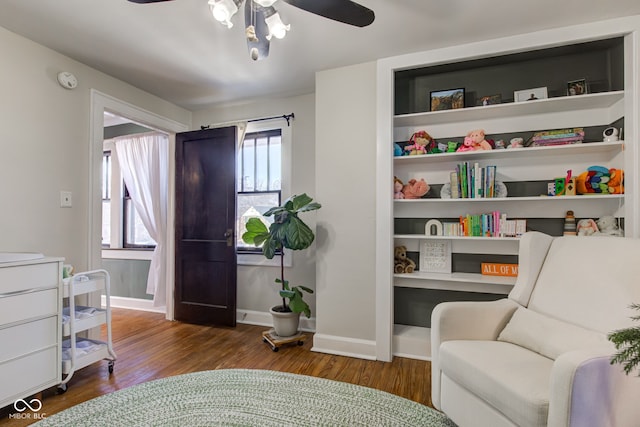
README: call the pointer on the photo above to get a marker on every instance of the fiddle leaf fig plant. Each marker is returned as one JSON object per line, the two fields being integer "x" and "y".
{"x": 287, "y": 231}
{"x": 627, "y": 341}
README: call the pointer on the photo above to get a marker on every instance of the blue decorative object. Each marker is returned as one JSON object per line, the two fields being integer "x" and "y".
{"x": 397, "y": 151}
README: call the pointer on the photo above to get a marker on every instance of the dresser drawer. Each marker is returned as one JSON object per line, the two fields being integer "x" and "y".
{"x": 28, "y": 338}
{"x": 29, "y": 374}
{"x": 29, "y": 305}
{"x": 23, "y": 277}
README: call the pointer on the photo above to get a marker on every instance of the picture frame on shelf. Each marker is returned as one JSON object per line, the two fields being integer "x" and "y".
{"x": 490, "y": 100}
{"x": 577, "y": 87}
{"x": 435, "y": 256}
{"x": 448, "y": 99}
{"x": 530, "y": 94}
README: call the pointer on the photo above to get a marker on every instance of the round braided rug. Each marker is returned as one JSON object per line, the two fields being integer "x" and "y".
{"x": 247, "y": 397}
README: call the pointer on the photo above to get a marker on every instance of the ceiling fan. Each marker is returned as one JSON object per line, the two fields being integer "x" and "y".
{"x": 262, "y": 21}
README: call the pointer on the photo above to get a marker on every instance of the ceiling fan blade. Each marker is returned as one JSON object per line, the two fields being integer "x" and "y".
{"x": 344, "y": 11}
{"x": 254, "y": 16}
{"x": 147, "y": 1}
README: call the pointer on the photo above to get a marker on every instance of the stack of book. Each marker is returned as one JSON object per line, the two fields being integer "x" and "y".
{"x": 472, "y": 181}
{"x": 558, "y": 137}
{"x": 494, "y": 224}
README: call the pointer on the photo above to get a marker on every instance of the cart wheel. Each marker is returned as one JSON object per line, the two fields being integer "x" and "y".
{"x": 300, "y": 342}
{"x": 275, "y": 349}
{"x": 111, "y": 367}
{"x": 62, "y": 388}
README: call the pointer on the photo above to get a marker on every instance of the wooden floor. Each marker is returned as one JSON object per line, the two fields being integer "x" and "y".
{"x": 149, "y": 347}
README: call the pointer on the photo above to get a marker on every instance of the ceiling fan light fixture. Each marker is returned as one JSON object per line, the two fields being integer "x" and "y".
{"x": 277, "y": 28}
{"x": 223, "y": 10}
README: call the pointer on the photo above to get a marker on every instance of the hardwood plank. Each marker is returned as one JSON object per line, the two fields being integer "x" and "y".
{"x": 149, "y": 347}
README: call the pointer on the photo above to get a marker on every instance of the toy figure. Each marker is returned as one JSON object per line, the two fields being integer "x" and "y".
{"x": 420, "y": 143}
{"x": 415, "y": 189}
{"x": 479, "y": 141}
{"x": 467, "y": 145}
{"x": 397, "y": 188}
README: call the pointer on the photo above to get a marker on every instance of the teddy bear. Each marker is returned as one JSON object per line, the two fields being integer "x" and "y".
{"x": 516, "y": 143}
{"x": 397, "y": 188}
{"x": 401, "y": 262}
{"x": 608, "y": 226}
{"x": 587, "y": 227}
{"x": 415, "y": 189}
{"x": 479, "y": 141}
{"x": 420, "y": 143}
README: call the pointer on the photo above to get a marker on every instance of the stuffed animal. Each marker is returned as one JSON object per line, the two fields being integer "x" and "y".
{"x": 467, "y": 145}
{"x": 420, "y": 143}
{"x": 397, "y": 151}
{"x": 515, "y": 143}
{"x": 397, "y": 188}
{"x": 587, "y": 227}
{"x": 595, "y": 180}
{"x": 608, "y": 226}
{"x": 415, "y": 189}
{"x": 401, "y": 262}
{"x": 616, "y": 181}
{"x": 479, "y": 141}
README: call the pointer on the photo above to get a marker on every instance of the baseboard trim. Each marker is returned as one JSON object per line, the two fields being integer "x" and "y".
{"x": 133, "y": 304}
{"x": 344, "y": 346}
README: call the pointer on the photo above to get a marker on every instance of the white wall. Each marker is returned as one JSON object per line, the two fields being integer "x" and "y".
{"x": 257, "y": 291}
{"x": 44, "y": 137}
{"x": 346, "y": 186}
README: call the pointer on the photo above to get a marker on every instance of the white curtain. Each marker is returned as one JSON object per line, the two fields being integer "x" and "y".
{"x": 144, "y": 164}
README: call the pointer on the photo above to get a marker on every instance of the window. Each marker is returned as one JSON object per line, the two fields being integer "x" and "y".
{"x": 259, "y": 175}
{"x": 121, "y": 224}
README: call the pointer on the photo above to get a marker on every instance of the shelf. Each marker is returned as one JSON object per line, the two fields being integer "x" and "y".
{"x": 462, "y": 282}
{"x": 87, "y": 352}
{"x": 528, "y": 152}
{"x": 470, "y": 238}
{"x": 412, "y": 341}
{"x": 542, "y": 106}
{"x": 83, "y": 323}
{"x": 84, "y": 286}
{"x": 514, "y": 199}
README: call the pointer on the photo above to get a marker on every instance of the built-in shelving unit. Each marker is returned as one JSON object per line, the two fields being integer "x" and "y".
{"x": 523, "y": 170}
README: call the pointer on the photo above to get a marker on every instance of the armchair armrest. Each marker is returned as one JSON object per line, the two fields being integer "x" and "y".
{"x": 587, "y": 391}
{"x": 465, "y": 320}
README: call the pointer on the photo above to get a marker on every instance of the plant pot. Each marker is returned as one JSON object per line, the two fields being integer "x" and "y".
{"x": 285, "y": 324}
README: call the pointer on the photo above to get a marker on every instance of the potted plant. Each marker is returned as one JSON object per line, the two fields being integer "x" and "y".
{"x": 627, "y": 341}
{"x": 290, "y": 232}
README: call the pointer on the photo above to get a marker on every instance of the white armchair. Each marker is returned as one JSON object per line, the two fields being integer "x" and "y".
{"x": 541, "y": 356}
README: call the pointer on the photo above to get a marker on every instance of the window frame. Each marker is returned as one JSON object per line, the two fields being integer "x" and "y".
{"x": 255, "y": 258}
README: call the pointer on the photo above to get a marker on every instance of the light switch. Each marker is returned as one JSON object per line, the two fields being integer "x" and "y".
{"x": 65, "y": 199}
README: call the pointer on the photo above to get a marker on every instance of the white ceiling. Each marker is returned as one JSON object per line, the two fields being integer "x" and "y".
{"x": 176, "y": 50}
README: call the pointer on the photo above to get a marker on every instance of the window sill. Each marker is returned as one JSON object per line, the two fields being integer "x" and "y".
{"x": 260, "y": 261}
{"x": 134, "y": 254}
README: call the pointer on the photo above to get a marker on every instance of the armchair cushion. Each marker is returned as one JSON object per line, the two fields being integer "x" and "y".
{"x": 513, "y": 380}
{"x": 548, "y": 336}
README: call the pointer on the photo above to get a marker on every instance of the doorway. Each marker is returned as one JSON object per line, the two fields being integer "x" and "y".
{"x": 101, "y": 103}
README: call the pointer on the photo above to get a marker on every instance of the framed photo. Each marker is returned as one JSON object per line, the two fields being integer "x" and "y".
{"x": 435, "y": 256}
{"x": 490, "y": 100}
{"x": 447, "y": 99}
{"x": 577, "y": 87}
{"x": 530, "y": 94}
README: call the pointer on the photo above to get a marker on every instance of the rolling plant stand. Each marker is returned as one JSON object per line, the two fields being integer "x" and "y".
{"x": 276, "y": 341}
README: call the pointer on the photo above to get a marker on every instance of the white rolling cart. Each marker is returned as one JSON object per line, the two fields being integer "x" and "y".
{"x": 78, "y": 352}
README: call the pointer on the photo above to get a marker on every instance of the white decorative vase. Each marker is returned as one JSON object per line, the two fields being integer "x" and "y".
{"x": 285, "y": 324}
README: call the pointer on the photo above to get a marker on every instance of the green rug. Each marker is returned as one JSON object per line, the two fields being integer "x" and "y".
{"x": 247, "y": 397}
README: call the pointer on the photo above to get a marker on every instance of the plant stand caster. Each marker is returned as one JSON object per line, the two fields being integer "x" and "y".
{"x": 111, "y": 366}
{"x": 62, "y": 388}
{"x": 276, "y": 341}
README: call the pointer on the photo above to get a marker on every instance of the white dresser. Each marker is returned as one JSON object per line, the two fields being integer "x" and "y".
{"x": 30, "y": 326}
